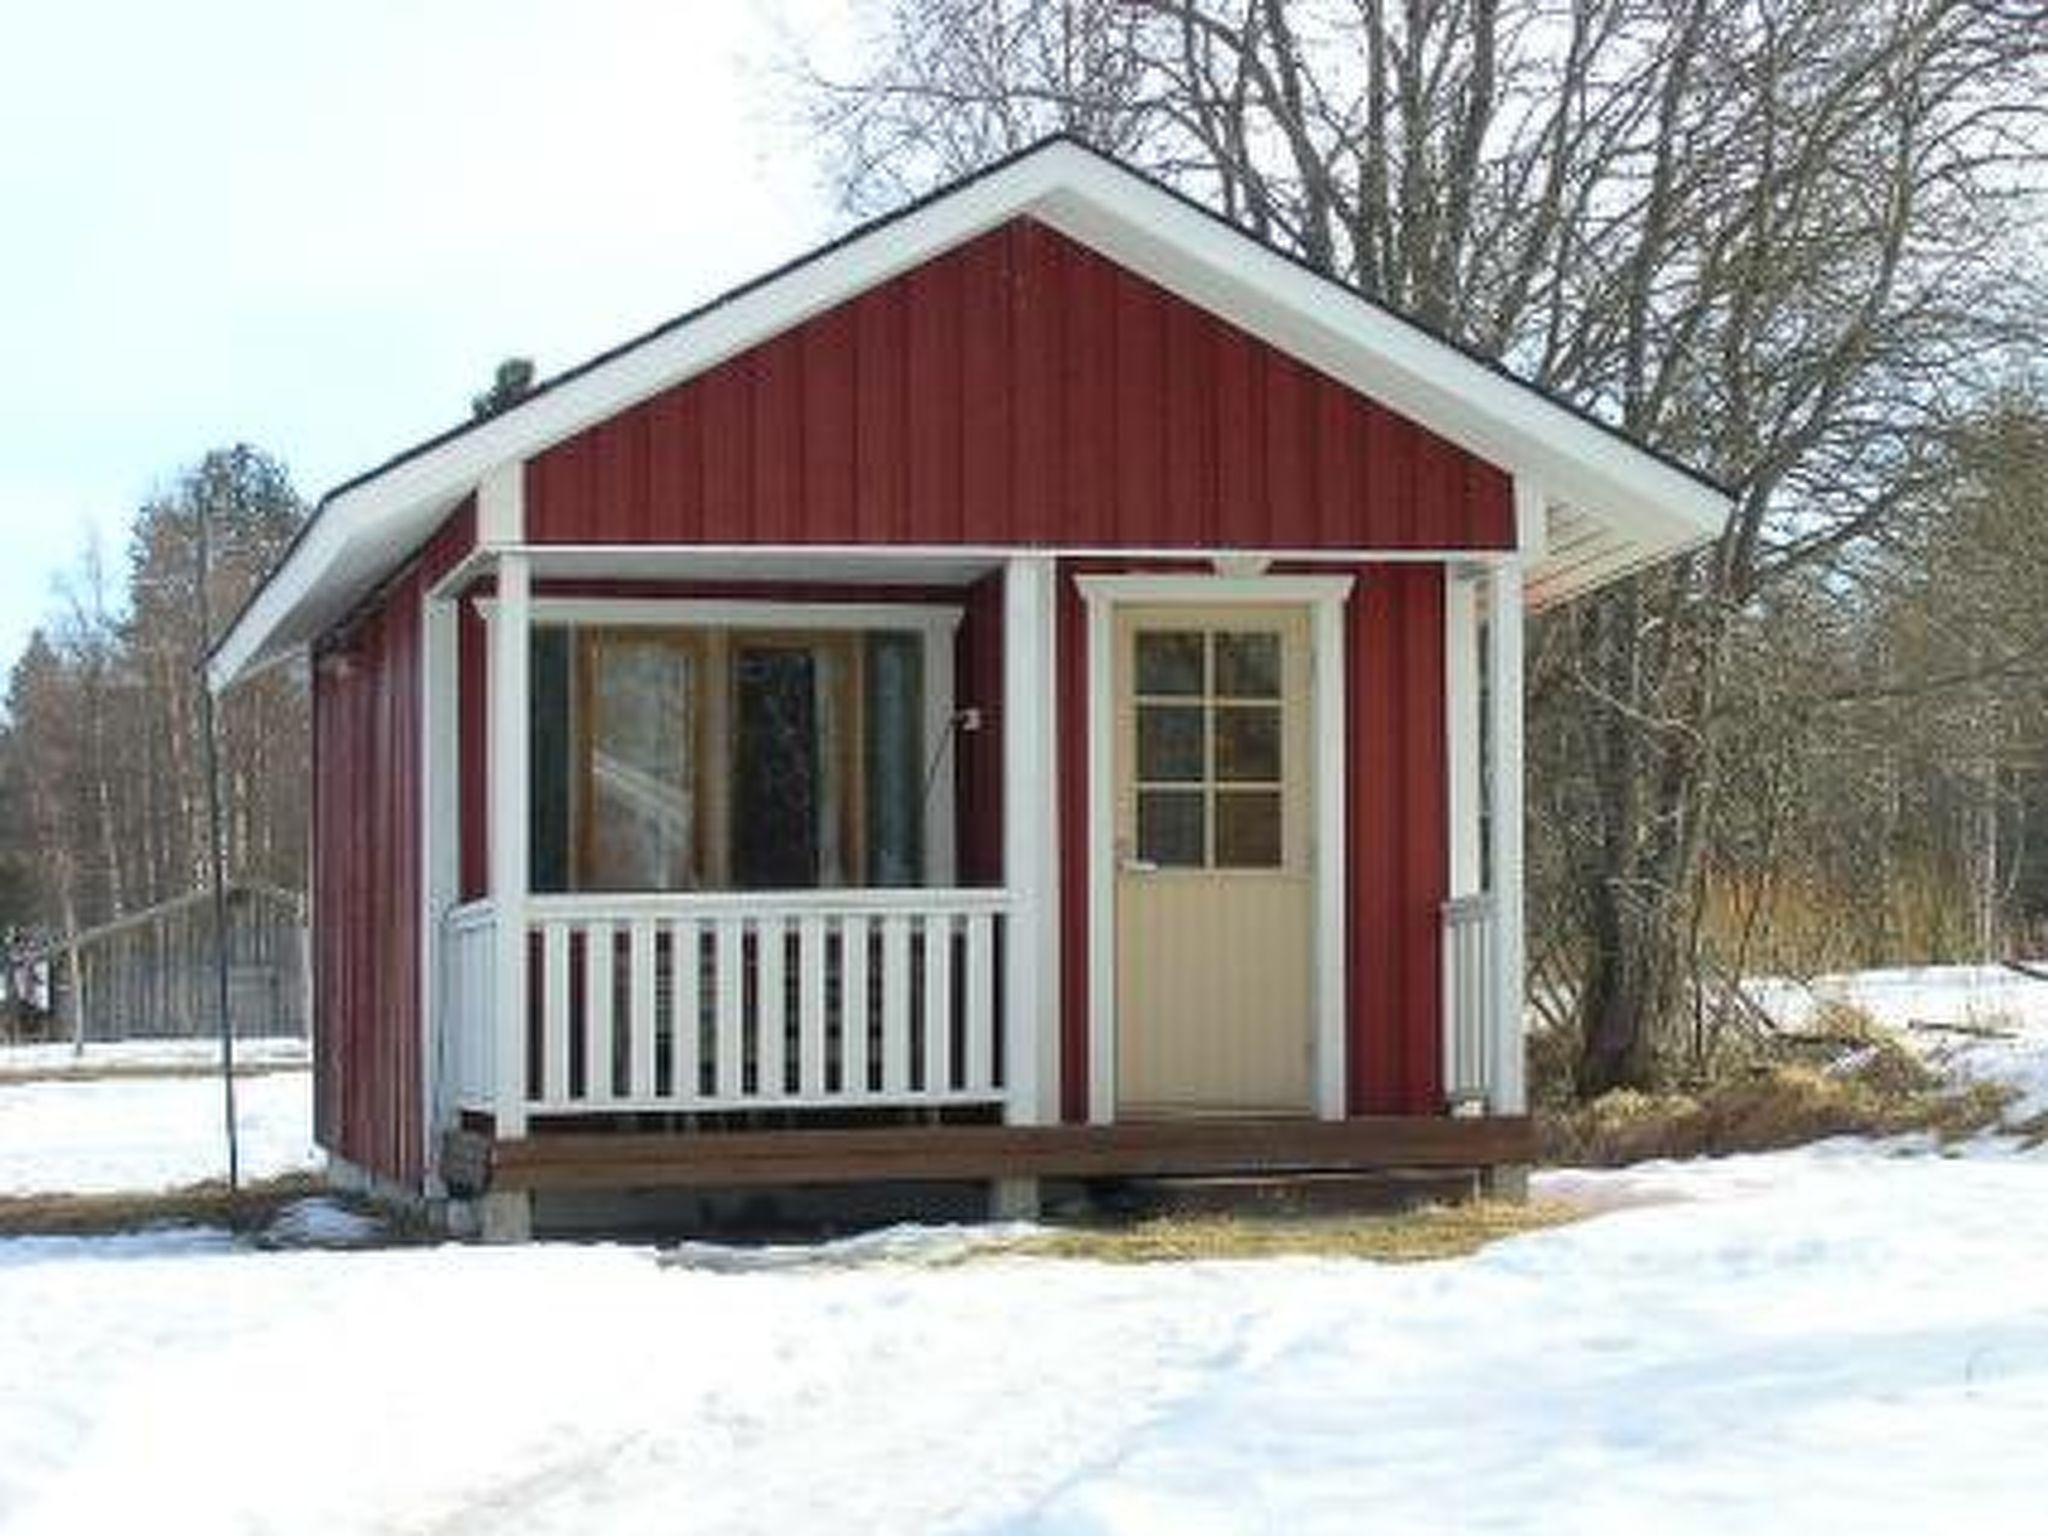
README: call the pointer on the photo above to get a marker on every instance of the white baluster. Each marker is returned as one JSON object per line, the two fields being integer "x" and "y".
{"x": 598, "y": 961}
{"x": 853, "y": 1006}
{"x": 640, "y": 1057}
{"x": 810, "y": 963}
{"x": 771, "y": 950}
{"x": 980, "y": 989}
{"x": 730, "y": 981}
{"x": 554, "y": 978}
{"x": 686, "y": 1004}
{"x": 895, "y": 1004}
{"x": 938, "y": 1003}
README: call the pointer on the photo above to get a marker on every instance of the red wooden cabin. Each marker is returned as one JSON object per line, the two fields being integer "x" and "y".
{"x": 1032, "y": 688}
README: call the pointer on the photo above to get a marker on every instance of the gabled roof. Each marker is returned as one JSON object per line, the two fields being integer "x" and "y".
{"x": 1613, "y": 504}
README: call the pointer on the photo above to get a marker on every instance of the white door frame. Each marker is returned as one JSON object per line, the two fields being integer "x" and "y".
{"x": 1324, "y": 597}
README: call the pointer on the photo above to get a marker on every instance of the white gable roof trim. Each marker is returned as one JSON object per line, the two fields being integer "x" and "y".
{"x": 1643, "y": 505}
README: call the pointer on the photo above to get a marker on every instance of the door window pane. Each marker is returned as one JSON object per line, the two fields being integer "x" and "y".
{"x": 1207, "y": 726}
{"x": 1248, "y": 665}
{"x": 1170, "y": 663}
{"x": 1248, "y": 743}
{"x": 1170, "y": 743}
{"x": 1170, "y": 832}
{"x": 1247, "y": 829}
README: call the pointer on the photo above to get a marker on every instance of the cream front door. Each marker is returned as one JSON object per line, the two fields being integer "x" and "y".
{"x": 1213, "y": 885}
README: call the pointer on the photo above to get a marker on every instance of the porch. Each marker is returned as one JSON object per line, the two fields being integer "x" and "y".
{"x": 849, "y": 1031}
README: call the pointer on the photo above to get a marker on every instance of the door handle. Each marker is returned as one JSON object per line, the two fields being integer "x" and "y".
{"x": 1131, "y": 866}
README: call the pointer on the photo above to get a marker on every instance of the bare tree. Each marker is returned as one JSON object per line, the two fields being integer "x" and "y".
{"x": 1776, "y": 237}
{"x": 99, "y": 751}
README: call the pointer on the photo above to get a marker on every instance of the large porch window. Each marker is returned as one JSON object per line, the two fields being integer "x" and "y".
{"x": 704, "y": 758}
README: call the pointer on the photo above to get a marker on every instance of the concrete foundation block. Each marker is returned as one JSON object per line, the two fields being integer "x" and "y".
{"x": 1013, "y": 1200}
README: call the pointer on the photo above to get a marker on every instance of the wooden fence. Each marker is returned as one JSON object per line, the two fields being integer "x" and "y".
{"x": 151, "y": 974}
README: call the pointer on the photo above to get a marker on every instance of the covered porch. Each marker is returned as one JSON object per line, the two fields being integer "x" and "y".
{"x": 853, "y": 1031}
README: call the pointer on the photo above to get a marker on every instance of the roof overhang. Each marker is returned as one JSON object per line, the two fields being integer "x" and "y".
{"x": 1612, "y": 504}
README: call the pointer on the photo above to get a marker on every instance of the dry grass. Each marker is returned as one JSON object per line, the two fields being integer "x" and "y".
{"x": 120, "y": 1070}
{"x": 1844, "y": 1076}
{"x": 207, "y": 1204}
{"x": 1411, "y": 1237}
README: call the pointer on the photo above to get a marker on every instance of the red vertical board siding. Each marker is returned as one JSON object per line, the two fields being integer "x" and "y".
{"x": 978, "y": 777}
{"x": 366, "y": 704}
{"x": 366, "y": 871}
{"x": 777, "y": 440}
{"x": 1030, "y": 384}
{"x": 986, "y": 420}
{"x": 1139, "y": 449}
{"x": 1084, "y": 448}
{"x": 1396, "y": 855}
{"x": 1019, "y": 389}
{"x": 828, "y": 414}
{"x": 473, "y": 747}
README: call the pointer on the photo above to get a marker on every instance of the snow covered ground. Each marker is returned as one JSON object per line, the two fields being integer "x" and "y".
{"x": 124, "y": 1133}
{"x": 1849, "y": 1335}
{"x": 1837, "y": 1337}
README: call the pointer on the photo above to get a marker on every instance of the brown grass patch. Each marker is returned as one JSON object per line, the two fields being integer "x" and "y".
{"x": 1410, "y": 1237}
{"x": 1860, "y": 1085}
{"x": 197, "y": 1205}
{"x": 114, "y": 1071}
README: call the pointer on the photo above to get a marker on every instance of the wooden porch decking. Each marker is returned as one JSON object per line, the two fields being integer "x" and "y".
{"x": 477, "y": 1160}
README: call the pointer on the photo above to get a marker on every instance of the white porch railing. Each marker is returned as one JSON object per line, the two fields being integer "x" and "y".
{"x": 1471, "y": 1072}
{"x": 739, "y": 1001}
{"x": 469, "y": 985}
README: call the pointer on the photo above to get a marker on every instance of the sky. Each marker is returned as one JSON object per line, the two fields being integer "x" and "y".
{"x": 317, "y": 227}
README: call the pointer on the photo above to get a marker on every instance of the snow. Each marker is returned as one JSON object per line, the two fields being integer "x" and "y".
{"x": 319, "y": 1222}
{"x": 139, "y": 1134}
{"x": 1842, "y": 1334}
{"x": 2004, "y": 1011}
{"x": 1850, "y": 1335}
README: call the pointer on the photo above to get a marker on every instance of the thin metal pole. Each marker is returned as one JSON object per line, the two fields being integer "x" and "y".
{"x": 216, "y": 857}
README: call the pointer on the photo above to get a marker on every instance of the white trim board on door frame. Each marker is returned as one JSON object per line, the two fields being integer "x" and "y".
{"x": 1324, "y": 596}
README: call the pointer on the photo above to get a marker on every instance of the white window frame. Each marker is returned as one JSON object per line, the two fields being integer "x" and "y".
{"x": 936, "y": 623}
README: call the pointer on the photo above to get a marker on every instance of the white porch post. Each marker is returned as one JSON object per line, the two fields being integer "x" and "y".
{"x": 1030, "y": 844}
{"x": 1463, "y": 791}
{"x": 440, "y": 854}
{"x": 511, "y": 624}
{"x": 1462, "y": 732}
{"x": 1504, "y": 821}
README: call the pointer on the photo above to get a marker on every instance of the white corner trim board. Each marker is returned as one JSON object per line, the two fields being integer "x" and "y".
{"x": 362, "y": 531}
{"x": 510, "y": 692}
{"x": 501, "y": 506}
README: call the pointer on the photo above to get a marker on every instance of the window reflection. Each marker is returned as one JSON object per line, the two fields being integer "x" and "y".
{"x": 680, "y": 759}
